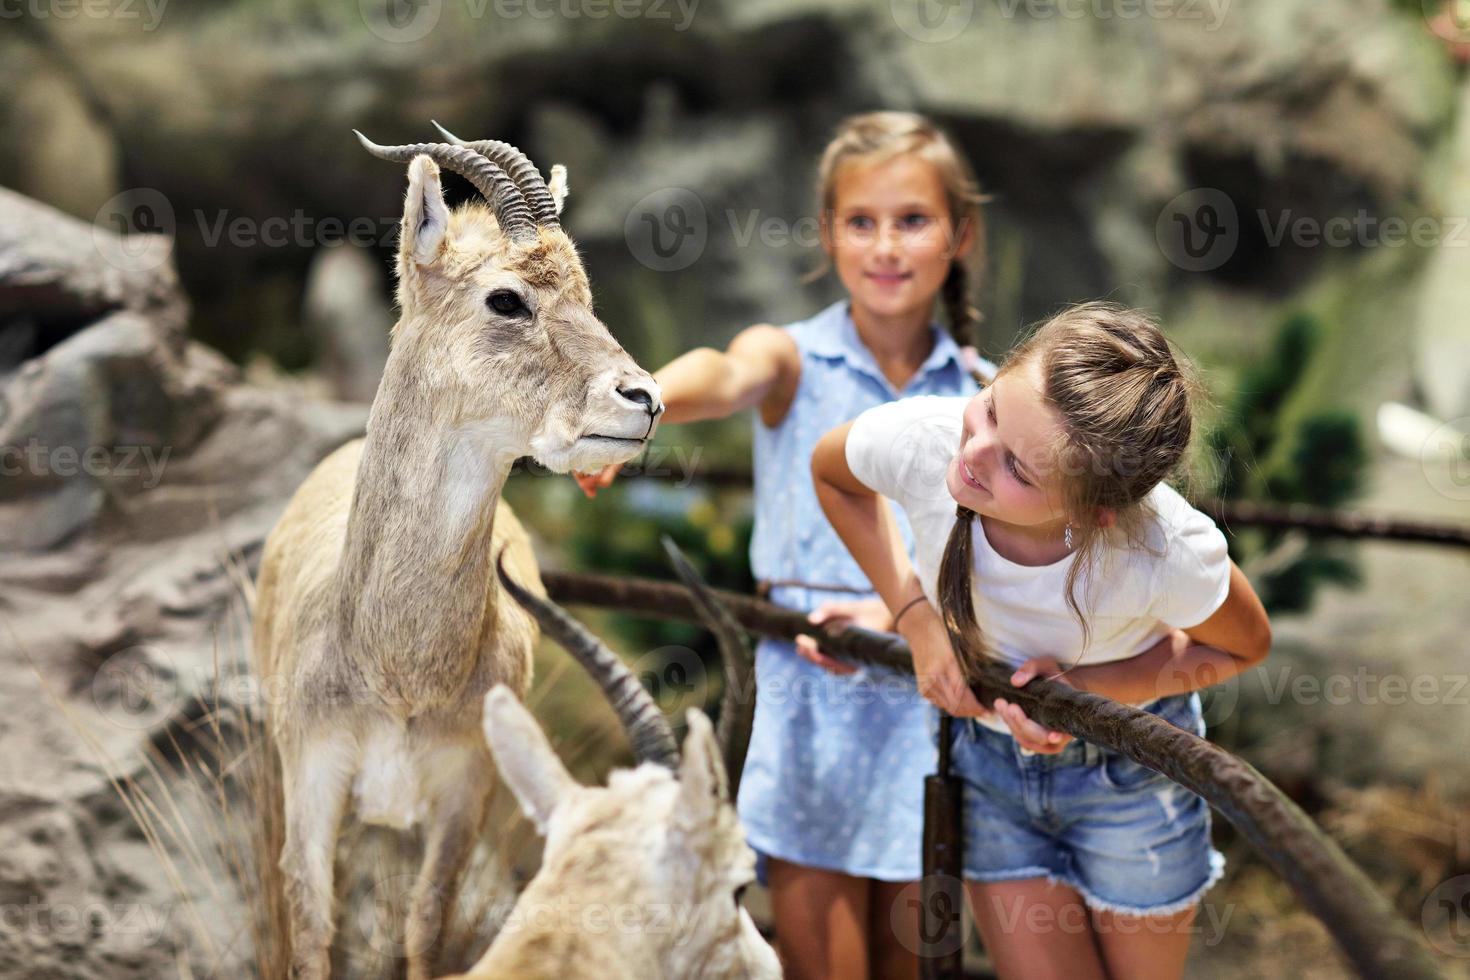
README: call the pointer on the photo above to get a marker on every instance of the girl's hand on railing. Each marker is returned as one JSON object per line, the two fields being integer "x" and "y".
{"x": 869, "y": 613}
{"x": 936, "y": 670}
{"x": 1026, "y": 732}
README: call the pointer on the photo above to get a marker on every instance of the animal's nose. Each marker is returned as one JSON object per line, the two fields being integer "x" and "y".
{"x": 641, "y": 396}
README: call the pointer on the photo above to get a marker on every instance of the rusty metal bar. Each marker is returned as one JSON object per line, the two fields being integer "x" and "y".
{"x": 1370, "y": 933}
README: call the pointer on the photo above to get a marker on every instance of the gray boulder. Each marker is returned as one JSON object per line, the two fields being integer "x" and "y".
{"x": 141, "y": 476}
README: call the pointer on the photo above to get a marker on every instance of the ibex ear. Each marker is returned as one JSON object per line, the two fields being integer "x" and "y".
{"x": 425, "y": 216}
{"x": 703, "y": 786}
{"x": 527, "y": 762}
{"x": 558, "y": 186}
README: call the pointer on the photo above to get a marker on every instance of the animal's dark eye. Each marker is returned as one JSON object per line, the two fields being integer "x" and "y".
{"x": 506, "y": 302}
{"x": 740, "y": 893}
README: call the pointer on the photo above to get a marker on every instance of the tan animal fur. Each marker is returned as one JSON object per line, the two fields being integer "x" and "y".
{"x": 640, "y": 879}
{"x": 379, "y": 623}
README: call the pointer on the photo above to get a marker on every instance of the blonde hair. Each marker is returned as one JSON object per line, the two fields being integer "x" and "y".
{"x": 877, "y": 137}
{"x": 1127, "y": 404}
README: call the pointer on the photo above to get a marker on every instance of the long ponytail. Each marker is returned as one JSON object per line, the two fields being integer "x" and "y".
{"x": 956, "y": 600}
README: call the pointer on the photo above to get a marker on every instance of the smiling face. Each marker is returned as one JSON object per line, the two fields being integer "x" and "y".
{"x": 1006, "y": 467}
{"x": 891, "y": 236}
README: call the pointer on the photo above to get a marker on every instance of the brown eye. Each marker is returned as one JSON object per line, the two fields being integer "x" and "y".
{"x": 506, "y": 303}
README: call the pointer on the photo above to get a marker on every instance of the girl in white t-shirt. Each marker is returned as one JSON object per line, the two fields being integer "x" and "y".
{"x": 1066, "y": 548}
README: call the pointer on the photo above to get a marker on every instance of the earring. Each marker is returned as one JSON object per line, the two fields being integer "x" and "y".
{"x": 1068, "y": 536}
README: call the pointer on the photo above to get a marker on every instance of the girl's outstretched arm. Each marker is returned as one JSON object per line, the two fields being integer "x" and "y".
{"x": 760, "y": 369}
{"x": 866, "y": 524}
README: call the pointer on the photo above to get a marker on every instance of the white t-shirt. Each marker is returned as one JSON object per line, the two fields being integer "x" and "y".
{"x": 902, "y": 449}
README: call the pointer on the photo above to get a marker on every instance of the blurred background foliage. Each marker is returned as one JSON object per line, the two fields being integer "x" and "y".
{"x": 1264, "y": 455}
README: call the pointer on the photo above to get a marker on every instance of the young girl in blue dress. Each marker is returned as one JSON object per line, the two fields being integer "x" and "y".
{"x": 1046, "y": 537}
{"x": 832, "y": 792}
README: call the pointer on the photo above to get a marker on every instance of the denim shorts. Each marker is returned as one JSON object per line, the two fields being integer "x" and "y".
{"x": 1128, "y": 839}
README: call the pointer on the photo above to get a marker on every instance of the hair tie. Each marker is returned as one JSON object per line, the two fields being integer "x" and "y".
{"x": 907, "y": 606}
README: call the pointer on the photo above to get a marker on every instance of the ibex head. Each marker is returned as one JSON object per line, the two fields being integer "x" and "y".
{"x": 660, "y": 841}
{"x": 497, "y": 327}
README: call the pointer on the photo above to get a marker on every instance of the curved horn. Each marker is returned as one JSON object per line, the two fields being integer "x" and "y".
{"x": 737, "y": 704}
{"x": 647, "y": 729}
{"x": 521, "y": 170}
{"x": 506, "y": 199}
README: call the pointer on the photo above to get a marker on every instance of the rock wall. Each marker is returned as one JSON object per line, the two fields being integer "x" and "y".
{"x": 140, "y": 478}
{"x": 1083, "y": 129}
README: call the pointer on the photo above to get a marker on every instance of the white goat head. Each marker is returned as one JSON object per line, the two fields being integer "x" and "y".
{"x": 497, "y": 319}
{"x": 658, "y": 856}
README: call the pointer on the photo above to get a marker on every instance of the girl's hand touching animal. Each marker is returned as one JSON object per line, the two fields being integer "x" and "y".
{"x": 593, "y": 482}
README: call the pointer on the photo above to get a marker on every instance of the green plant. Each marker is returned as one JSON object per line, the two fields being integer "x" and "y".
{"x": 1318, "y": 460}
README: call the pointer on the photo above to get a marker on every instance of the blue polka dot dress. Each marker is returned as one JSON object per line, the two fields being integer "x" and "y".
{"x": 835, "y": 774}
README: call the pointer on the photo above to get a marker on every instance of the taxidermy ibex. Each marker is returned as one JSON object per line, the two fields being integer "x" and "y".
{"x": 378, "y": 618}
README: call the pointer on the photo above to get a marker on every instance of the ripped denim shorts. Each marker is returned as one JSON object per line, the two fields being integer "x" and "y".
{"x": 1128, "y": 839}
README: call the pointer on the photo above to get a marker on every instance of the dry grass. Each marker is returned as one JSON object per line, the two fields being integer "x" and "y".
{"x": 1406, "y": 840}
{"x": 208, "y": 800}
